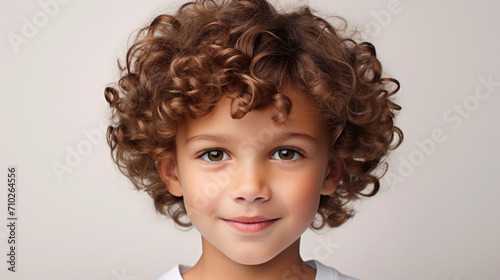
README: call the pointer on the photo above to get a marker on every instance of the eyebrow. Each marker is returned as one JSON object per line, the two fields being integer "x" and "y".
{"x": 209, "y": 137}
{"x": 292, "y": 135}
{"x": 222, "y": 138}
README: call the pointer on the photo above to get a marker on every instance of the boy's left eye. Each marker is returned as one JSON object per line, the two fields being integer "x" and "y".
{"x": 286, "y": 154}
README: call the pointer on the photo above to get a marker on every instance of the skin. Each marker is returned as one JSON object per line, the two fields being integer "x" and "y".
{"x": 228, "y": 168}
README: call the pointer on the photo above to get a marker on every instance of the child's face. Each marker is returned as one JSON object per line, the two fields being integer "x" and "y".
{"x": 251, "y": 186}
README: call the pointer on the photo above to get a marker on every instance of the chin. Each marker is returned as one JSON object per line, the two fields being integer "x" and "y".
{"x": 251, "y": 259}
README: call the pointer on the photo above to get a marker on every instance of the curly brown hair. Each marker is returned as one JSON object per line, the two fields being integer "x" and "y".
{"x": 183, "y": 64}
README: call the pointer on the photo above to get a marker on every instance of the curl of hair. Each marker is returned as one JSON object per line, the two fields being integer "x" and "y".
{"x": 183, "y": 64}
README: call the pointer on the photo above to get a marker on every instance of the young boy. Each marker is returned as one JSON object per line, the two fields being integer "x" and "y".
{"x": 256, "y": 125}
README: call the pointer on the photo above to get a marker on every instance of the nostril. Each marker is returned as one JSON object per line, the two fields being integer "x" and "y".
{"x": 260, "y": 194}
{"x": 250, "y": 185}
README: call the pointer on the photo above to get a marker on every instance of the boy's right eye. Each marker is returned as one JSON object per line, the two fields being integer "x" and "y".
{"x": 214, "y": 155}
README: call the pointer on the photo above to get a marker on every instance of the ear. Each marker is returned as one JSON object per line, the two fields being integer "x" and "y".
{"x": 169, "y": 174}
{"x": 332, "y": 178}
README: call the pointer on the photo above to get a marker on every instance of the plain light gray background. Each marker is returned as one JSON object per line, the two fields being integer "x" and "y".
{"x": 436, "y": 217}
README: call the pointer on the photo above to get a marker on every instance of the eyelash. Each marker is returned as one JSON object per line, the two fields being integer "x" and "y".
{"x": 296, "y": 154}
{"x": 205, "y": 156}
{"x": 225, "y": 156}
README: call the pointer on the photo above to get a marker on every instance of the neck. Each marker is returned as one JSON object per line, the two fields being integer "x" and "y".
{"x": 213, "y": 264}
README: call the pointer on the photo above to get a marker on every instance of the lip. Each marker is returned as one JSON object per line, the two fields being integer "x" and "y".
{"x": 250, "y": 224}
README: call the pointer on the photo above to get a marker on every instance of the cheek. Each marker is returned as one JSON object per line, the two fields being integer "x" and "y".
{"x": 201, "y": 195}
{"x": 302, "y": 192}
{"x": 306, "y": 202}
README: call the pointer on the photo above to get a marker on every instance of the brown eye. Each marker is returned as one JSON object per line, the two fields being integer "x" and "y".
{"x": 215, "y": 155}
{"x": 285, "y": 154}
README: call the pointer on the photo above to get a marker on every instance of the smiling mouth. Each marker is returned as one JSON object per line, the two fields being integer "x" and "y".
{"x": 250, "y": 224}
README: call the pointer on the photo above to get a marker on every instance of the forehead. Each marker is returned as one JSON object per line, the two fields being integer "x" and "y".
{"x": 304, "y": 118}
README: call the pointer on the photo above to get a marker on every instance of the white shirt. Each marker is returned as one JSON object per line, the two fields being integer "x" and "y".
{"x": 323, "y": 272}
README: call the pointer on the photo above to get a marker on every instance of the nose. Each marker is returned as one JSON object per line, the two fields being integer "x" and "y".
{"x": 250, "y": 184}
